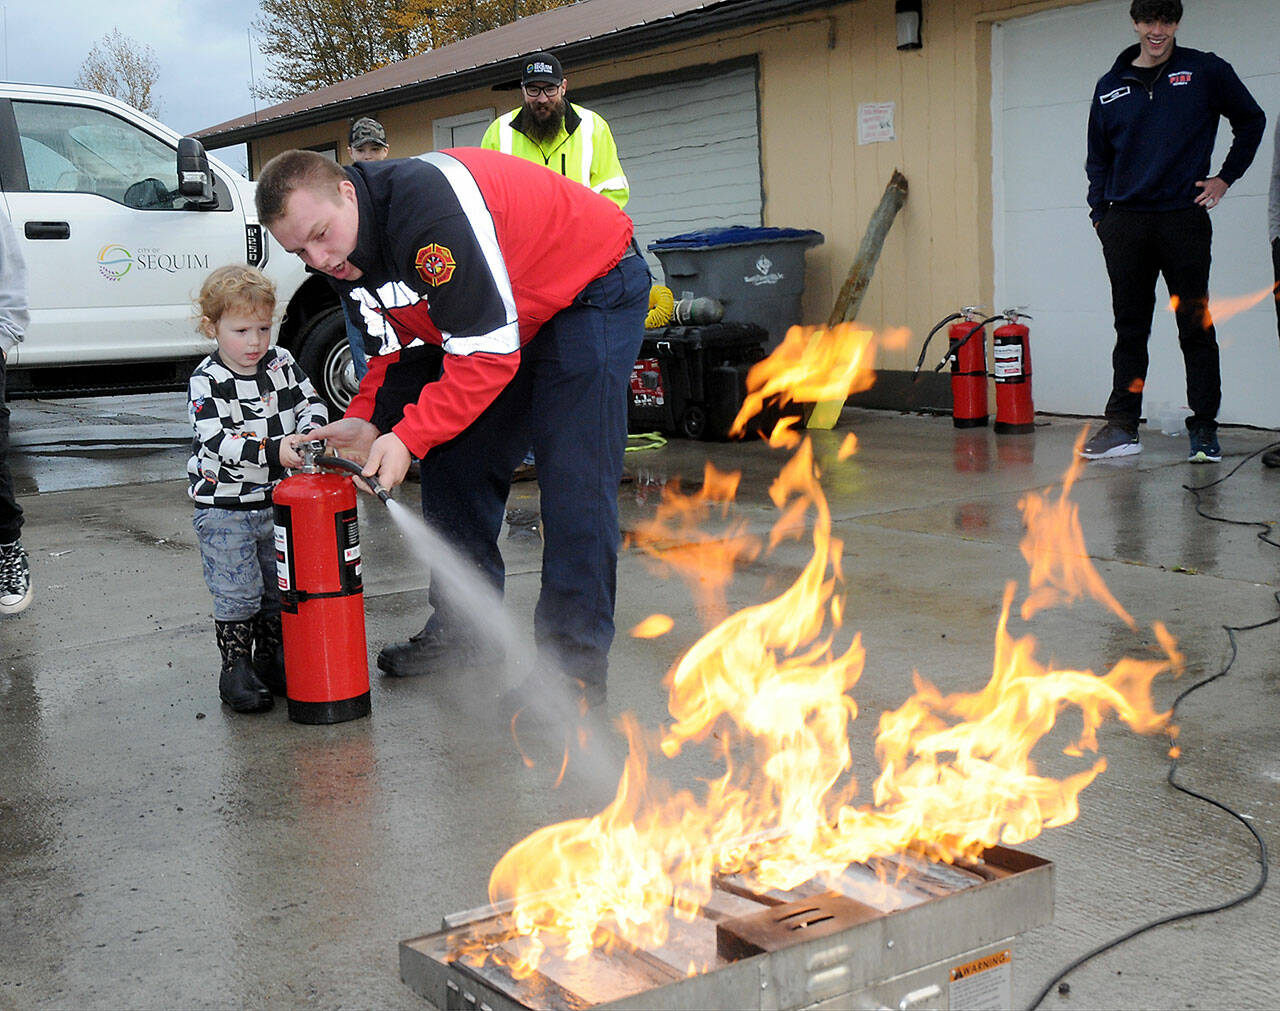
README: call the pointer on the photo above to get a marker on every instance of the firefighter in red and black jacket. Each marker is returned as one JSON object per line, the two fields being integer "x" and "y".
{"x": 510, "y": 306}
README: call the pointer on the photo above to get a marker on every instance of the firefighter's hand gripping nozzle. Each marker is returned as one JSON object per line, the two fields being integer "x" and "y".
{"x": 314, "y": 458}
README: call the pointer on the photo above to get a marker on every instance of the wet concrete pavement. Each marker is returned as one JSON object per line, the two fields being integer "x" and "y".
{"x": 158, "y": 851}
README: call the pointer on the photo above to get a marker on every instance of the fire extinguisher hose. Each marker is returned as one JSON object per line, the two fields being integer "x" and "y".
{"x": 338, "y": 463}
{"x": 977, "y": 329}
{"x": 925, "y": 350}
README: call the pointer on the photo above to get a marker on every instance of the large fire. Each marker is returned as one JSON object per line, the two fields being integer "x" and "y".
{"x": 768, "y": 690}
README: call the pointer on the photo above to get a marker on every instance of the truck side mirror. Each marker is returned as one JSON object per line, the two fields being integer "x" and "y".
{"x": 194, "y": 178}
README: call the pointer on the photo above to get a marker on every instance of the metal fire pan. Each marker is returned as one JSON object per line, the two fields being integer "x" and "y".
{"x": 1015, "y": 895}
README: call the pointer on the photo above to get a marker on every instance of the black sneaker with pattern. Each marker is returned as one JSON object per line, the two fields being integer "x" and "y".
{"x": 15, "y": 579}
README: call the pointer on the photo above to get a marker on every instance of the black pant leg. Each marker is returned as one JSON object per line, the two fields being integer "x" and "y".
{"x": 1132, "y": 266}
{"x": 1275, "y": 267}
{"x": 1185, "y": 238}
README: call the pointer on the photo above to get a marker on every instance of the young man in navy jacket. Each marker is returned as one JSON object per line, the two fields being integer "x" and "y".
{"x": 1152, "y": 125}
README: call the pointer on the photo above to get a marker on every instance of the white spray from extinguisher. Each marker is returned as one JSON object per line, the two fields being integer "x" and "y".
{"x": 475, "y": 597}
{"x": 472, "y": 595}
{"x": 478, "y": 601}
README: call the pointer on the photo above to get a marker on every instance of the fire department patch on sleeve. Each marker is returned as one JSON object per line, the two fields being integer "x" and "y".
{"x": 435, "y": 264}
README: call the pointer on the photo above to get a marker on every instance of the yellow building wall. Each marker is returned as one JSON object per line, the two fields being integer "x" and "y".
{"x": 815, "y": 70}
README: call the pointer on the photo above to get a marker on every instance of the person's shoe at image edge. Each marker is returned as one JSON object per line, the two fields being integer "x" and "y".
{"x": 1204, "y": 446}
{"x": 1271, "y": 458}
{"x": 1111, "y": 441}
{"x": 16, "y": 590}
{"x": 430, "y": 651}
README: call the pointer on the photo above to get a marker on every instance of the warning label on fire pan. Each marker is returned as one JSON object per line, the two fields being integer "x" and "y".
{"x": 985, "y": 983}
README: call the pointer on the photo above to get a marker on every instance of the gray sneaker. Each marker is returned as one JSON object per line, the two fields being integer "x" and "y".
{"x": 15, "y": 579}
{"x": 1109, "y": 441}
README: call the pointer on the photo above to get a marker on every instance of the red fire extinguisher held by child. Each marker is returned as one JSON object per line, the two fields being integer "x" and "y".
{"x": 1011, "y": 356}
{"x": 967, "y": 354}
{"x": 322, "y": 594}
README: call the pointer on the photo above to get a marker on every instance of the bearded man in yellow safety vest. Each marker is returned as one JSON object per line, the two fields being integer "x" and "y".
{"x": 566, "y": 138}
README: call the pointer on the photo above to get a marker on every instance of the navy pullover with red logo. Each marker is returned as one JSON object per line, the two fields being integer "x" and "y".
{"x": 471, "y": 251}
{"x": 1148, "y": 147}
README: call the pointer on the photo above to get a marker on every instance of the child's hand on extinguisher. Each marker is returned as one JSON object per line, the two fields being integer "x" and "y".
{"x": 289, "y": 457}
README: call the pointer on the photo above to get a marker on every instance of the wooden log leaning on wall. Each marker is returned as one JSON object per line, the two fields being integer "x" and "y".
{"x": 826, "y": 414}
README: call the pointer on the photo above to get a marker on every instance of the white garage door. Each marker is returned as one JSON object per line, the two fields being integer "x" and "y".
{"x": 691, "y": 151}
{"x": 1047, "y": 256}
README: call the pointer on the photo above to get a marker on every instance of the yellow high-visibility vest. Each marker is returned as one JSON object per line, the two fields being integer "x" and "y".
{"x": 584, "y": 150}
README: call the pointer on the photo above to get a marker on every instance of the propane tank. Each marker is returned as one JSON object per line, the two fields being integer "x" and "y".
{"x": 1011, "y": 358}
{"x": 322, "y": 595}
{"x": 690, "y": 311}
{"x": 967, "y": 353}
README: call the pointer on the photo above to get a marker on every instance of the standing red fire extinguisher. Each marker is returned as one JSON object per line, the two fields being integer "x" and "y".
{"x": 1011, "y": 356}
{"x": 322, "y": 595}
{"x": 967, "y": 354}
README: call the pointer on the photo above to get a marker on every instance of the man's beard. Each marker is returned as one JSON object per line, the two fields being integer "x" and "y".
{"x": 549, "y": 128}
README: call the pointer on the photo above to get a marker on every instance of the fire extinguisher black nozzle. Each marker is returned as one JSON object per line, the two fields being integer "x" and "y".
{"x": 351, "y": 467}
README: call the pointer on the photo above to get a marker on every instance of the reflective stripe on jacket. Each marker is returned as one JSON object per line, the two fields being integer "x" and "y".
{"x": 584, "y": 150}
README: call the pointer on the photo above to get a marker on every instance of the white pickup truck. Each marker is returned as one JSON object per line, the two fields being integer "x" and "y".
{"x": 120, "y": 219}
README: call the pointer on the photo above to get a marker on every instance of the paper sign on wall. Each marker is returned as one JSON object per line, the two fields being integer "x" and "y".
{"x": 875, "y": 122}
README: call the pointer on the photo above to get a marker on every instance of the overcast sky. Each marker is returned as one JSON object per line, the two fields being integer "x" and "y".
{"x": 202, "y": 48}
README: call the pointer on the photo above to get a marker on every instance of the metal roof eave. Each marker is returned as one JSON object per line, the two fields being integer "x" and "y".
{"x": 621, "y": 42}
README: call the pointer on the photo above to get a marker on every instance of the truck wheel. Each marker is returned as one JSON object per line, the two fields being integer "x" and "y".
{"x": 325, "y": 357}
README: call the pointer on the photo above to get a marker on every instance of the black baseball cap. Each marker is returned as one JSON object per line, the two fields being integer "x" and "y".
{"x": 542, "y": 68}
{"x": 367, "y": 131}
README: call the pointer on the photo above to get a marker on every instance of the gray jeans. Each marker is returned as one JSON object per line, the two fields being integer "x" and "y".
{"x": 238, "y": 556}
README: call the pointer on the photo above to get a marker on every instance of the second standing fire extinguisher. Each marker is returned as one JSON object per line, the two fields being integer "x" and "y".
{"x": 1011, "y": 356}
{"x": 322, "y": 596}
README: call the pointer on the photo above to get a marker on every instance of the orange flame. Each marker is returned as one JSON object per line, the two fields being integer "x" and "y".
{"x": 1054, "y": 548}
{"x": 1219, "y": 310}
{"x": 809, "y": 366}
{"x": 653, "y": 627}
{"x": 767, "y": 691}
{"x": 675, "y": 539}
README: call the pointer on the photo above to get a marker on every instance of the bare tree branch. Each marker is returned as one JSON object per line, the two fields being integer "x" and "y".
{"x": 123, "y": 68}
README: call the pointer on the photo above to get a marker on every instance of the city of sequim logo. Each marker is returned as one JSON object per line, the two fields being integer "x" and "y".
{"x": 765, "y": 274}
{"x": 114, "y": 262}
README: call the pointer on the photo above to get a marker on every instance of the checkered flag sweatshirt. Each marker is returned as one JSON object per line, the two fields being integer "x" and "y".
{"x": 239, "y": 422}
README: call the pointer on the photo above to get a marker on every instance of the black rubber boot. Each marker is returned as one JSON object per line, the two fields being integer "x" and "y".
{"x": 238, "y": 684}
{"x": 268, "y": 652}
